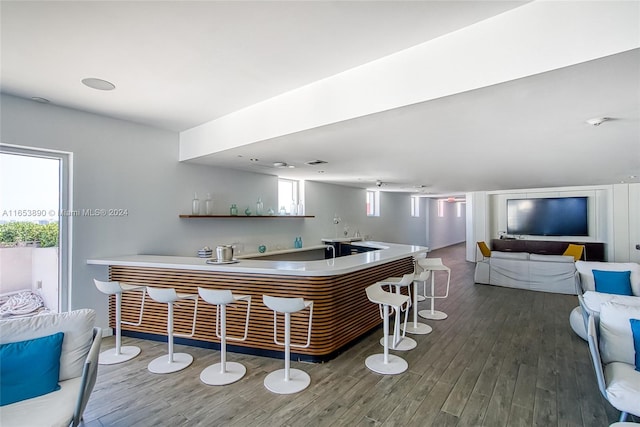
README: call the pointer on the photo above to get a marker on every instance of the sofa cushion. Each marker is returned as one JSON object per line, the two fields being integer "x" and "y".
{"x": 77, "y": 327}
{"x": 29, "y": 368}
{"x": 586, "y": 276}
{"x": 551, "y": 258}
{"x": 50, "y": 410}
{"x": 635, "y": 330}
{"x": 616, "y": 339}
{"x": 510, "y": 255}
{"x": 612, "y": 282}
{"x": 623, "y": 386}
{"x": 594, "y": 300}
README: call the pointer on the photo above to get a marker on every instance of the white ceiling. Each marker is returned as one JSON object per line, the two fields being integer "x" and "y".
{"x": 177, "y": 65}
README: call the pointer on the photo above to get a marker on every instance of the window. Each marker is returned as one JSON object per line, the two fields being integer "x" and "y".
{"x": 373, "y": 203}
{"x": 415, "y": 206}
{"x": 441, "y": 207}
{"x": 459, "y": 209}
{"x": 290, "y": 196}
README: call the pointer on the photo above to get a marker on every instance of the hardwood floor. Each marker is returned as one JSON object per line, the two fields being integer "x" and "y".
{"x": 503, "y": 357}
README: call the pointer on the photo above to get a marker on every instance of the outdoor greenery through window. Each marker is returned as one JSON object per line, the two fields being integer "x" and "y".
{"x": 29, "y": 233}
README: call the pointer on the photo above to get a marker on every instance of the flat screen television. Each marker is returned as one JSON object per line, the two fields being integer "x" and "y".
{"x": 559, "y": 216}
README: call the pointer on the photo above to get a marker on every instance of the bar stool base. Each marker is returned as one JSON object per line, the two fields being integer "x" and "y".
{"x": 109, "y": 357}
{"x": 432, "y": 315}
{"x": 212, "y": 375}
{"x": 405, "y": 343}
{"x": 396, "y": 364}
{"x": 418, "y": 329}
{"x": 161, "y": 364}
{"x": 298, "y": 381}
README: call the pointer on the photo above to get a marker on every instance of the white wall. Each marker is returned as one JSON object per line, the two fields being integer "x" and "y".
{"x": 123, "y": 165}
{"x": 448, "y": 229}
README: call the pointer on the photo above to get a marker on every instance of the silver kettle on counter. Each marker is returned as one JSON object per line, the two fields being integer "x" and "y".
{"x": 224, "y": 252}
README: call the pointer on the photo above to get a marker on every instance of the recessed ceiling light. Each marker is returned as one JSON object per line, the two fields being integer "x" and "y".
{"x": 282, "y": 165}
{"x": 98, "y": 84}
{"x": 40, "y": 100}
{"x": 254, "y": 160}
{"x": 597, "y": 121}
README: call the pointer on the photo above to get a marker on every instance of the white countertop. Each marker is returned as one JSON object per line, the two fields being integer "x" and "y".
{"x": 387, "y": 252}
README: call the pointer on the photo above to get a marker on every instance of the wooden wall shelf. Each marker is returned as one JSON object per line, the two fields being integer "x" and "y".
{"x": 247, "y": 216}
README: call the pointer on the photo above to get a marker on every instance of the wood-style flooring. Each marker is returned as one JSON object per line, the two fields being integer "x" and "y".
{"x": 503, "y": 357}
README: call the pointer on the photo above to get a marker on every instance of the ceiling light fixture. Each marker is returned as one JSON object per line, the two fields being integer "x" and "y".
{"x": 597, "y": 121}
{"x": 98, "y": 84}
{"x": 282, "y": 165}
{"x": 40, "y": 100}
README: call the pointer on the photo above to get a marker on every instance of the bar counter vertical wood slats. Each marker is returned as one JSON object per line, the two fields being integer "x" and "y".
{"x": 341, "y": 313}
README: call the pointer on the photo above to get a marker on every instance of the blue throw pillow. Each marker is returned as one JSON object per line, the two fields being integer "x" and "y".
{"x": 635, "y": 330}
{"x": 29, "y": 368}
{"x": 613, "y": 282}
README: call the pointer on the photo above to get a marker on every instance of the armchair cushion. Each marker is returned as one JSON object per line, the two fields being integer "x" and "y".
{"x": 623, "y": 386}
{"x": 613, "y": 282}
{"x": 76, "y": 325}
{"x": 29, "y": 368}
{"x": 616, "y": 339}
{"x": 587, "y": 281}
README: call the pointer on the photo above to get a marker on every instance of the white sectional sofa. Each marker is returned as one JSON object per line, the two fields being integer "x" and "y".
{"x": 546, "y": 273}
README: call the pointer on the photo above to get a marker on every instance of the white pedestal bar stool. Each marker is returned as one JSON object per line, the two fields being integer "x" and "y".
{"x": 172, "y": 362}
{"x": 400, "y": 341}
{"x": 120, "y": 353}
{"x": 224, "y": 372}
{"x": 417, "y": 270}
{"x": 287, "y": 380}
{"x": 432, "y": 265}
{"x": 415, "y": 327}
{"x": 385, "y": 363}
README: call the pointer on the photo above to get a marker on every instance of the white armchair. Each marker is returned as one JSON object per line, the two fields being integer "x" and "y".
{"x": 591, "y": 300}
{"x": 611, "y": 345}
{"x": 78, "y": 363}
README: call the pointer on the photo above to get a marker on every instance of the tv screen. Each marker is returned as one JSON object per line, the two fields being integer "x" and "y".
{"x": 561, "y": 216}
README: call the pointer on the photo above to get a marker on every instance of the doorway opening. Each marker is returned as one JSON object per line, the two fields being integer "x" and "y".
{"x": 34, "y": 236}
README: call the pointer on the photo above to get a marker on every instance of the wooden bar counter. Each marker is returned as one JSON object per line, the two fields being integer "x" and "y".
{"x": 341, "y": 313}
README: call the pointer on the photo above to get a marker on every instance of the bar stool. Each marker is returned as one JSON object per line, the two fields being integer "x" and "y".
{"x": 415, "y": 327}
{"x": 172, "y": 362}
{"x": 433, "y": 265}
{"x": 386, "y": 363}
{"x": 127, "y": 352}
{"x": 397, "y": 341}
{"x": 224, "y": 372}
{"x": 416, "y": 270}
{"x": 287, "y": 380}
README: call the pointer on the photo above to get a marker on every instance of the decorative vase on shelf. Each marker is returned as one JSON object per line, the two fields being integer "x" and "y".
{"x": 259, "y": 206}
{"x": 208, "y": 205}
{"x": 195, "y": 205}
{"x": 247, "y": 212}
{"x": 233, "y": 211}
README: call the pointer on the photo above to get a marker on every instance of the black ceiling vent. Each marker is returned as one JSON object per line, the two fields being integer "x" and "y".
{"x": 315, "y": 162}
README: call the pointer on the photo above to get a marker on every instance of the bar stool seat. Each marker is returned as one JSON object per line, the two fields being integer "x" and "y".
{"x": 385, "y": 363}
{"x": 120, "y": 353}
{"x": 399, "y": 341}
{"x": 224, "y": 372}
{"x": 287, "y": 380}
{"x": 172, "y": 362}
{"x": 433, "y": 265}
